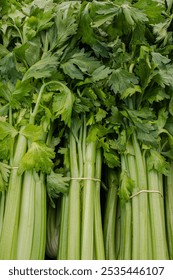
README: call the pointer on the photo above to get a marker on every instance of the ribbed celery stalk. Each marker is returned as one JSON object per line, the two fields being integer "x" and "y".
{"x": 135, "y": 201}
{"x": 88, "y": 194}
{"x": 157, "y": 218}
{"x": 169, "y": 210}
{"x": 2, "y": 206}
{"x": 8, "y": 242}
{"x": 126, "y": 219}
{"x": 142, "y": 252}
{"x": 98, "y": 227}
{"x": 74, "y": 225}
{"x": 110, "y": 215}
{"x": 117, "y": 229}
{"x": 40, "y": 208}
{"x": 26, "y": 219}
{"x": 63, "y": 234}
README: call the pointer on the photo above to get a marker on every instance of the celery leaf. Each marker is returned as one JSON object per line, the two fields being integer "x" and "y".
{"x": 6, "y": 129}
{"x": 63, "y": 103}
{"x": 39, "y": 157}
{"x": 32, "y": 132}
{"x": 126, "y": 187}
{"x": 43, "y": 68}
{"x": 4, "y": 176}
{"x": 56, "y": 184}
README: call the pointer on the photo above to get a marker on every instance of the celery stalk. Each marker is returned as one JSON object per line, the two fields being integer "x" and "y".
{"x": 169, "y": 210}
{"x": 157, "y": 219}
{"x": 98, "y": 228}
{"x": 143, "y": 202}
{"x": 26, "y": 220}
{"x": 73, "y": 240}
{"x": 8, "y": 242}
{"x": 2, "y": 206}
{"x": 88, "y": 194}
{"x": 39, "y": 235}
{"x": 63, "y": 234}
{"x": 110, "y": 215}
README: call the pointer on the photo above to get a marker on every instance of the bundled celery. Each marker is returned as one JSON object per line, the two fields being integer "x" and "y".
{"x": 86, "y": 86}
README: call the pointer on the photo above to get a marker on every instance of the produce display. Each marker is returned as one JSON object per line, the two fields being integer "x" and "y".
{"x": 86, "y": 130}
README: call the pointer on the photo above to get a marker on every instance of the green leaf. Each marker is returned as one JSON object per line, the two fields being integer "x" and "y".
{"x": 101, "y": 73}
{"x": 152, "y": 9}
{"x": 6, "y": 129}
{"x": 164, "y": 76}
{"x": 63, "y": 103}
{"x": 169, "y": 4}
{"x": 139, "y": 35}
{"x": 159, "y": 60}
{"x": 66, "y": 25}
{"x": 161, "y": 30}
{"x": 80, "y": 63}
{"x": 149, "y": 137}
{"x": 6, "y": 146}
{"x": 85, "y": 29}
{"x": 121, "y": 80}
{"x": 57, "y": 184}
{"x": 5, "y": 92}
{"x": 44, "y": 5}
{"x": 20, "y": 51}
{"x": 8, "y": 70}
{"x": 100, "y": 115}
{"x": 133, "y": 15}
{"x": 162, "y": 118}
{"x": 21, "y": 94}
{"x": 104, "y": 12}
{"x": 130, "y": 91}
{"x": 39, "y": 157}
{"x": 44, "y": 20}
{"x": 111, "y": 158}
{"x": 4, "y": 176}
{"x": 144, "y": 72}
{"x": 120, "y": 143}
{"x": 156, "y": 94}
{"x": 126, "y": 187}
{"x": 16, "y": 15}
{"x": 43, "y": 68}
{"x": 3, "y": 51}
{"x": 32, "y": 132}
{"x": 158, "y": 162}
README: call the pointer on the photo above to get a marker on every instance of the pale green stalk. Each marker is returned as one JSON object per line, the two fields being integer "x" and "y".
{"x": 122, "y": 229}
{"x": 157, "y": 219}
{"x": 117, "y": 229}
{"x": 73, "y": 252}
{"x": 63, "y": 234}
{"x": 110, "y": 215}
{"x": 26, "y": 220}
{"x": 98, "y": 227}
{"x": 142, "y": 253}
{"x": 149, "y": 224}
{"x": 135, "y": 202}
{"x": 39, "y": 235}
{"x": 2, "y": 207}
{"x": 88, "y": 194}
{"x": 8, "y": 242}
{"x": 169, "y": 209}
{"x": 126, "y": 220}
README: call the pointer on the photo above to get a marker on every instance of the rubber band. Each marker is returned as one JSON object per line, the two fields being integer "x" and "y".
{"x": 146, "y": 191}
{"x": 83, "y": 178}
{"x": 92, "y": 179}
